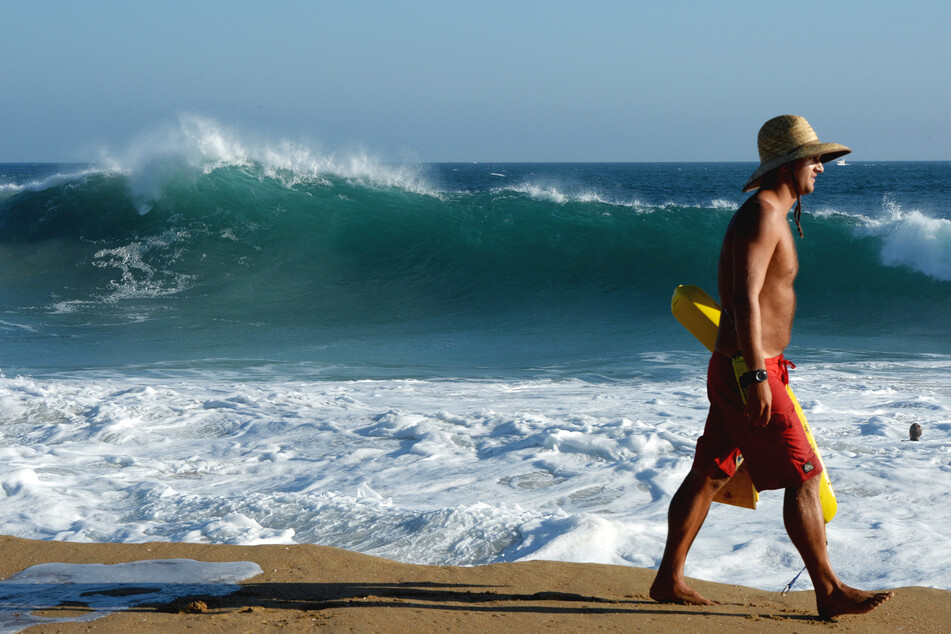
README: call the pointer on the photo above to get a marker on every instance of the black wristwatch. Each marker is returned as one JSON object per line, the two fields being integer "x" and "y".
{"x": 753, "y": 376}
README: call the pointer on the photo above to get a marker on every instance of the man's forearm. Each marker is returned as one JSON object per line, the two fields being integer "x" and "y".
{"x": 749, "y": 332}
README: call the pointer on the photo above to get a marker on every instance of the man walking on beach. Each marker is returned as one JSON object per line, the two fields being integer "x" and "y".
{"x": 756, "y": 270}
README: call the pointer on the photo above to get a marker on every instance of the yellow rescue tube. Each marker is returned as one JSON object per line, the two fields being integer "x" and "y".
{"x": 700, "y": 314}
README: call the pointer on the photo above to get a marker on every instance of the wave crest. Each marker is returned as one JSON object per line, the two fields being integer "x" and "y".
{"x": 199, "y": 145}
{"x": 913, "y": 240}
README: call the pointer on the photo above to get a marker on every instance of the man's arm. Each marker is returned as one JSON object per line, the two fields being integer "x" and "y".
{"x": 758, "y": 232}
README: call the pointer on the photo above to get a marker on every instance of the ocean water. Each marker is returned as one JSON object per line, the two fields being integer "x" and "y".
{"x": 205, "y": 338}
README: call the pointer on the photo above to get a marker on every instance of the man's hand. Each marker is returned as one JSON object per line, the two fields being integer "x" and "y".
{"x": 759, "y": 400}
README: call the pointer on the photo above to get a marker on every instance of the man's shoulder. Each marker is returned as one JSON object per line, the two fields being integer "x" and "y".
{"x": 761, "y": 213}
{"x": 765, "y": 206}
{"x": 762, "y": 200}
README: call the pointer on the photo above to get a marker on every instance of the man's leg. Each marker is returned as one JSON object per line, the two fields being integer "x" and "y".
{"x": 688, "y": 510}
{"x": 802, "y": 514}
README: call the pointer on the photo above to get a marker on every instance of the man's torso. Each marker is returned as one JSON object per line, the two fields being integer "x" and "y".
{"x": 777, "y": 297}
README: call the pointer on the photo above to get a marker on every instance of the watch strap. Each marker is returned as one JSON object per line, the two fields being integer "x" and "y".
{"x": 753, "y": 376}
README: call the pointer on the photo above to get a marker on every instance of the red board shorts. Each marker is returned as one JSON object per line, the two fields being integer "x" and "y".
{"x": 777, "y": 455}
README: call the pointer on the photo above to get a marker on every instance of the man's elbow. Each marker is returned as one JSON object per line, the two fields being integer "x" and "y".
{"x": 743, "y": 303}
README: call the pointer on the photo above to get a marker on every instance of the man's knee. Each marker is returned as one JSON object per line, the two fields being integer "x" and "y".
{"x": 804, "y": 490}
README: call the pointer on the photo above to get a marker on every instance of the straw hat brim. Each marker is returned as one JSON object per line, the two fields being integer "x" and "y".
{"x": 827, "y": 151}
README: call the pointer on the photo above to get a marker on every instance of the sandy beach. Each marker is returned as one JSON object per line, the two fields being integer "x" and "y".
{"x": 306, "y": 587}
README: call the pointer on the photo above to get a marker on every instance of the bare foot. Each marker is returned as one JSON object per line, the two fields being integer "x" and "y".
{"x": 677, "y": 592}
{"x": 847, "y": 600}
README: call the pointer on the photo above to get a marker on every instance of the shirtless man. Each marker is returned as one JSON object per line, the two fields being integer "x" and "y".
{"x": 757, "y": 268}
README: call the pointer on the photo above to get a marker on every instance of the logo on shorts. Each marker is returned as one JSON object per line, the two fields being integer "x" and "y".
{"x": 806, "y": 468}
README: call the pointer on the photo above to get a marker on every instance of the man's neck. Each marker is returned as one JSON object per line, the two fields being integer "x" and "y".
{"x": 783, "y": 192}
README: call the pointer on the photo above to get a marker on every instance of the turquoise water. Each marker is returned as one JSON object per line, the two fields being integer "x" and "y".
{"x": 452, "y": 363}
{"x": 437, "y": 269}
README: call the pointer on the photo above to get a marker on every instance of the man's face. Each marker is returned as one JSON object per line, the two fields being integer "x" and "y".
{"x": 805, "y": 171}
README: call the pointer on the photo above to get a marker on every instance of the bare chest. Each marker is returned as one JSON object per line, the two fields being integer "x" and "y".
{"x": 784, "y": 265}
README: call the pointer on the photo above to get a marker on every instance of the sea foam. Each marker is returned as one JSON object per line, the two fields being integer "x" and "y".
{"x": 468, "y": 472}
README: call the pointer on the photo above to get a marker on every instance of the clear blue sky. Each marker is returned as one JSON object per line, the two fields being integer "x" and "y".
{"x": 445, "y": 80}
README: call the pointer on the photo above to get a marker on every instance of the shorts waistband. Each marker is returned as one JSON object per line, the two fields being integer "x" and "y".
{"x": 782, "y": 365}
{"x": 779, "y": 364}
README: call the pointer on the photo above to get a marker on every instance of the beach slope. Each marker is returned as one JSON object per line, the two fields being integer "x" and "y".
{"x": 306, "y": 587}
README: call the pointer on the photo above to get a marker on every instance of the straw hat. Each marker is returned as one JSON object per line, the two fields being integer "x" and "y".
{"x": 787, "y": 138}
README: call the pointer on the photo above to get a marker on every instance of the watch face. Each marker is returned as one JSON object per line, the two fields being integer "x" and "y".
{"x": 761, "y": 376}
